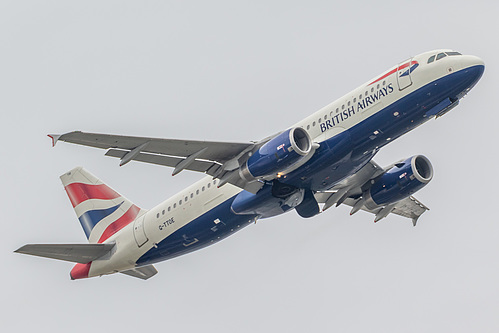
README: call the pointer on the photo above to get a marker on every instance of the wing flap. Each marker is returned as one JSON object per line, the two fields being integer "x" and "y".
{"x": 79, "y": 253}
{"x": 143, "y": 273}
{"x": 171, "y": 161}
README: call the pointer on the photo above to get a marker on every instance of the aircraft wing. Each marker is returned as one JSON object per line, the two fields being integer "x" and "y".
{"x": 349, "y": 192}
{"x": 218, "y": 159}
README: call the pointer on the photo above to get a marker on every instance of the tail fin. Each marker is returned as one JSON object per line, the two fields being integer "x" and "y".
{"x": 101, "y": 210}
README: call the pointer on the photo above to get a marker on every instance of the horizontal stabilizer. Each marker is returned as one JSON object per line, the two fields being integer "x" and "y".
{"x": 143, "y": 273}
{"x": 80, "y": 253}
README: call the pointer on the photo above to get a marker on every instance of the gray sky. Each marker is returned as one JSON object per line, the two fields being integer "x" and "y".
{"x": 239, "y": 71}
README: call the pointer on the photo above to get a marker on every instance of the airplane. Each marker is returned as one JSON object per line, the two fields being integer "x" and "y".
{"x": 321, "y": 161}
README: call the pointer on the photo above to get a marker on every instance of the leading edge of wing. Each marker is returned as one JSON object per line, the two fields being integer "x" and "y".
{"x": 217, "y": 151}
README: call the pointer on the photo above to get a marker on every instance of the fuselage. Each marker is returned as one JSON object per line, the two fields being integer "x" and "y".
{"x": 348, "y": 131}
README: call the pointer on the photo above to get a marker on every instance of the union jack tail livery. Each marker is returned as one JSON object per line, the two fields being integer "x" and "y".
{"x": 101, "y": 210}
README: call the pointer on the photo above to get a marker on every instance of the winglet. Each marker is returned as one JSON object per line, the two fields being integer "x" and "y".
{"x": 55, "y": 138}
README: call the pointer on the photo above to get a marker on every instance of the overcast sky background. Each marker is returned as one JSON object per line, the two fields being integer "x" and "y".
{"x": 240, "y": 71}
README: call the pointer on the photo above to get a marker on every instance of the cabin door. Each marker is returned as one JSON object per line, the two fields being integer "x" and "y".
{"x": 404, "y": 79}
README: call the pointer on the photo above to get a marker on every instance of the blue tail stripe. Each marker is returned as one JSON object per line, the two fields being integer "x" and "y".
{"x": 90, "y": 219}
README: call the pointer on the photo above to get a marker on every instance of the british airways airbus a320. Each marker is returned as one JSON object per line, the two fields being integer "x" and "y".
{"x": 321, "y": 161}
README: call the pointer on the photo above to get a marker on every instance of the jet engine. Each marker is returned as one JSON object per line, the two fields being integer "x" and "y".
{"x": 278, "y": 154}
{"x": 402, "y": 180}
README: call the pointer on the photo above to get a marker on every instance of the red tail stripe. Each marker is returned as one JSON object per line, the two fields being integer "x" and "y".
{"x": 80, "y": 271}
{"x": 79, "y": 192}
{"x": 120, "y": 223}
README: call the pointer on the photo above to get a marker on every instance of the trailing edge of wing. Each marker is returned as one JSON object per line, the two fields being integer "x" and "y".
{"x": 170, "y": 161}
{"x": 80, "y": 253}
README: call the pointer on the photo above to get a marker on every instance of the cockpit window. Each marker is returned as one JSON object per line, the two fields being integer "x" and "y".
{"x": 453, "y": 53}
{"x": 431, "y": 59}
{"x": 441, "y": 55}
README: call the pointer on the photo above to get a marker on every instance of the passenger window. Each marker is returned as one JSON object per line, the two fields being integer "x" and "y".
{"x": 320, "y": 119}
{"x": 325, "y": 116}
{"x": 186, "y": 199}
{"x": 180, "y": 202}
{"x": 441, "y": 55}
{"x": 163, "y": 212}
{"x": 202, "y": 189}
{"x": 169, "y": 208}
{"x": 197, "y": 192}
{"x": 192, "y": 195}
{"x": 308, "y": 127}
{"x": 175, "y": 205}
{"x": 431, "y": 59}
{"x": 157, "y": 215}
{"x": 209, "y": 184}
{"x": 313, "y": 124}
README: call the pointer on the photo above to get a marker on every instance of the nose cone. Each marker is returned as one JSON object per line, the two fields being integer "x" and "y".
{"x": 471, "y": 61}
{"x": 474, "y": 65}
{"x": 473, "y": 68}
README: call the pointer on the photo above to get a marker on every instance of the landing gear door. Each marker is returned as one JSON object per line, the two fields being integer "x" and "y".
{"x": 404, "y": 79}
{"x": 139, "y": 232}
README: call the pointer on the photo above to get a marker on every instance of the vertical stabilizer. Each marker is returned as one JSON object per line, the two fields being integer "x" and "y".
{"x": 101, "y": 210}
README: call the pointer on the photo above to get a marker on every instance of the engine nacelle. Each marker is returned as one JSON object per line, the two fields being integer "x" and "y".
{"x": 402, "y": 180}
{"x": 278, "y": 154}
